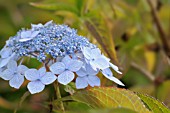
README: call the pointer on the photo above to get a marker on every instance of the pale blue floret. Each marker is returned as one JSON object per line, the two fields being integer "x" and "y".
{"x": 95, "y": 58}
{"x": 109, "y": 75}
{"x": 14, "y": 73}
{"x": 99, "y": 61}
{"x": 65, "y": 69}
{"x": 38, "y": 79}
{"x": 87, "y": 75}
{"x": 28, "y": 35}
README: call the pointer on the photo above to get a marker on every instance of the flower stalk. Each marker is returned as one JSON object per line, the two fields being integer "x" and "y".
{"x": 58, "y": 94}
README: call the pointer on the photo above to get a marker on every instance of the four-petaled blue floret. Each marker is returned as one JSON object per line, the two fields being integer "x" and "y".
{"x": 63, "y": 53}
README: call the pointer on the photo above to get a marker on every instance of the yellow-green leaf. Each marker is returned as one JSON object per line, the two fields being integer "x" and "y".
{"x": 109, "y": 97}
{"x": 153, "y": 104}
{"x": 108, "y": 110}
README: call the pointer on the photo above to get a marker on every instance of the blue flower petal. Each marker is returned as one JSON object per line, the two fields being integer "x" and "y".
{"x": 108, "y": 60}
{"x": 107, "y": 72}
{"x": 35, "y": 87}
{"x": 57, "y": 68}
{"x": 75, "y": 65}
{"x": 65, "y": 77}
{"x": 114, "y": 79}
{"x": 22, "y": 69}
{"x": 115, "y": 68}
{"x": 32, "y": 75}
{"x": 7, "y": 74}
{"x": 6, "y": 52}
{"x": 12, "y": 65}
{"x": 34, "y": 34}
{"x": 25, "y": 39}
{"x": 16, "y": 81}
{"x": 1, "y": 70}
{"x": 95, "y": 53}
{"x": 59, "y": 59}
{"x": 48, "y": 23}
{"x": 25, "y": 34}
{"x": 93, "y": 80}
{"x": 90, "y": 70}
{"x": 100, "y": 63}
{"x": 81, "y": 82}
{"x": 42, "y": 71}
{"x": 93, "y": 65}
{"x": 48, "y": 78}
{"x": 82, "y": 72}
{"x": 86, "y": 52}
{"x": 66, "y": 60}
{"x": 4, "y": 62}
{"x": 36, "y": 25}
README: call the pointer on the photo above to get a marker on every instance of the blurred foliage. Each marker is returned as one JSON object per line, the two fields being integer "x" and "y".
{"x": 123, "y": 29}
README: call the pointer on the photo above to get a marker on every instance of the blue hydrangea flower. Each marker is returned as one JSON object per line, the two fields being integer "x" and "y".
{"x": 65, "y": 69}
{"x": 95, "y": 58}
{"x": 59, "y": 47}
{"x": 87, "y": 75}
{"x": 39, "y": 78}
{"x": 14, "y": 73}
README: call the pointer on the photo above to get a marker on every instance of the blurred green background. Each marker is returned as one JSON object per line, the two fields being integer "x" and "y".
{"x": 125, "y": 30}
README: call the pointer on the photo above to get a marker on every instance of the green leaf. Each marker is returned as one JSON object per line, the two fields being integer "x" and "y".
{"x": 79, "y": 4}
{"x": 107, "y": 97}
{"x": 76, "y": 107}
{"x": 115, "y": 110}
{"x": 153, "y": 104}
{"x": 108, "y": 110}
{"x": 56, "y": 6}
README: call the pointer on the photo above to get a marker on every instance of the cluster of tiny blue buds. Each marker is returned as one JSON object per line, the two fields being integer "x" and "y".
{"x": 52, "y": 39}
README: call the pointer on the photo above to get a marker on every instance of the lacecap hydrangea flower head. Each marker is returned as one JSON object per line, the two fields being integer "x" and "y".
{"x": 65, "y": 56}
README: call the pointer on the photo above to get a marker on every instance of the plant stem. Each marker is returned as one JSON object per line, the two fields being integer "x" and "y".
{"x": 57, "y": 89}
{"x": 162, "y": 33}
{"x": 142, "y": 70}
{"x": 113, "y": 8}
{"x": 58, "y": 94}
